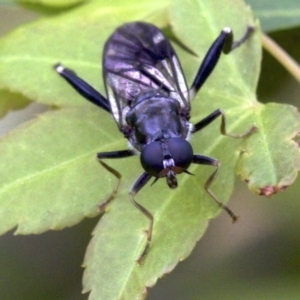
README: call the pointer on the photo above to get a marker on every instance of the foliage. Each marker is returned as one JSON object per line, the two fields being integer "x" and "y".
{"x": 52, "y": 179}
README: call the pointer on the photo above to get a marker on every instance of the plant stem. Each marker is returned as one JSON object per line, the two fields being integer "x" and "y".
{"x": 282, "y": 56}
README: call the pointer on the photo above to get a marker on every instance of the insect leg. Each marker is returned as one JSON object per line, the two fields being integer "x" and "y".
{"x": 139, "y": 184}
{"x": 82, "y": 87}
{"x": 207, "y": 120}
{"x": 206, "y": 160}
{"x": 113, "y": 154}
{"x": 223, "y": 43}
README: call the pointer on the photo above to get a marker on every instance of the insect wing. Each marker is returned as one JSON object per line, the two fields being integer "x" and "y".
{"x": 139, "y": 58}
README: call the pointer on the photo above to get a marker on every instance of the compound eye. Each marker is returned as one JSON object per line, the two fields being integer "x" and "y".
{"x": 181, "y": 151}
{"x": 152, "y": 159}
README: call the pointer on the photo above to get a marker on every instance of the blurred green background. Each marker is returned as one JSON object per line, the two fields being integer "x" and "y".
{"x": 258, "y": 257}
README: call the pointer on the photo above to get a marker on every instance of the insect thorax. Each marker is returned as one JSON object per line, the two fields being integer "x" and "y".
{"x": 156, "y": 118}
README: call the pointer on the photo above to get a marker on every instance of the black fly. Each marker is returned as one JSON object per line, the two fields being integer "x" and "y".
{"x": 149, "y": 99}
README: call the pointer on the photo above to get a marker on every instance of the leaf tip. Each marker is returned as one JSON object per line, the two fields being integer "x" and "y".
{"x": 270, "y": 190}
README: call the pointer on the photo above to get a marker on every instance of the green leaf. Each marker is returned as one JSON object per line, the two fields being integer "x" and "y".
{"x": 280, "y": 170}
{"x": 52, "y": 179}
{"x": 53, "y": 3}
{"x": 276, "y": 15}
{"x": 67, "y": 38}
{"x": 43, "y": 162}
{"x": 51, "y": 7}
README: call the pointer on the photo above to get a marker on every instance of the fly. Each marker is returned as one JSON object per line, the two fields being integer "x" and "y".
{"x": 149, "y": 99}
